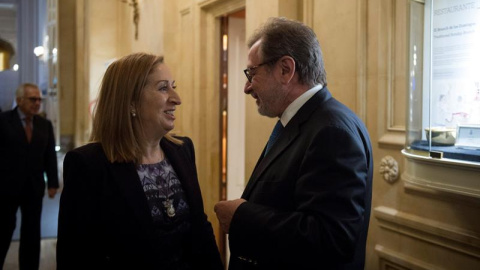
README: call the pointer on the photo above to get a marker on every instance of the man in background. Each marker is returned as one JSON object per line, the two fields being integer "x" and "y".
{"x": 307, "y": 203}
{"x": 27, "y": 152}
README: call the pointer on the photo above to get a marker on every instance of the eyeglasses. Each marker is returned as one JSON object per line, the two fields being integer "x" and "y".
{"x": 249, "y": 72}
{"x": 34, "y": 99}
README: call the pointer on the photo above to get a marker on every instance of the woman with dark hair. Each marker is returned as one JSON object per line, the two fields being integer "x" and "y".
{"x": 131, "y": 198}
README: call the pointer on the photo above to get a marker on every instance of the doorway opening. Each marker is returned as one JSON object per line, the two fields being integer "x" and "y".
{"x": 233, "y": 59}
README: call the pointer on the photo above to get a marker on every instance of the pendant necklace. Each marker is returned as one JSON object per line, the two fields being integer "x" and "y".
{"x": 168, "y": 203}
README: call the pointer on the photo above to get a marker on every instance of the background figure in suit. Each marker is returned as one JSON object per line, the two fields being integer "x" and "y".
{"x": 27, "y": 151}
{"x": 131, "y": 198}
{"x": 307, "y": 203}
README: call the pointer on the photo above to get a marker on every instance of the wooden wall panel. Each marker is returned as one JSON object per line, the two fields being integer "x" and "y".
{"x": 184, "y": 75}
{"x": 414, "y": 224}
{"x": 66, "y": 75}
{"x": 393, "y": 56}
{"x": 339, "y": 50}
{"x": 399, "y": 81}
{"x": 257, "y": 127}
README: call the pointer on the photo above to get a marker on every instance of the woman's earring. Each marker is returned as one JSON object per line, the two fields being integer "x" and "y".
{"x": 133, "y": 113}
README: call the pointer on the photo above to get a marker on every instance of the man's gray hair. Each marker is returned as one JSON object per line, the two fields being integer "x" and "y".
{"x": 281, "y": 36}
{"x": 20, "y": 92}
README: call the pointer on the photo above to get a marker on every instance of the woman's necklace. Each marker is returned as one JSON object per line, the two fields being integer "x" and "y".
{"x": 169, "y": 208}
{"x": 157, "y": 160}
{"x": 168, "y": 203}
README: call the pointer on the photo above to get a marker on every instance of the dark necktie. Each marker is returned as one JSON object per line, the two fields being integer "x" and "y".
{"x": 277, "y": 130}
{"x": 28, "y": 128}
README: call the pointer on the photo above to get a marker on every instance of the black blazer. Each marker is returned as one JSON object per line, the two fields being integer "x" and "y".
{"x": 105, "y": 221}
{"x": 23, "y": 163}
{"x": 309, "y": 198}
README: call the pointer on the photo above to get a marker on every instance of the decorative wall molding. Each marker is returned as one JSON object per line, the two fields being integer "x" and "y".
{"x": 431, "y": 231}
{"x": 218, "y": 7}
{"x": 307, "y": 12}
{"x": 208, "y": 3}
{"x": 392, "y": 64}
{"x": 429, "y": 191}
{"x": 362, "y": 49}
{"x": 397, "y": 69}
{"x": 392, "y": 260}
{"x": 389, "y": 169}
{"x": 185, "y": 11}
{"x": 395, "y": 140}
{"x": 82, "y": 75}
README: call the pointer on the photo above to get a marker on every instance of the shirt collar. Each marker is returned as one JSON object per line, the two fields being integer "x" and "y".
{"x": 293, "y": 108}
{"x": 21, "y": 114}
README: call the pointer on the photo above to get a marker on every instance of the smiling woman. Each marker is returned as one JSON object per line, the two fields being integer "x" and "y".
{"x": 146, "y": 209}
{"x": 157, "y": 104}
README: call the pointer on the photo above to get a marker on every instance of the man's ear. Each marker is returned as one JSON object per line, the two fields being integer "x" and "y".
{"x": 287, "y": 64}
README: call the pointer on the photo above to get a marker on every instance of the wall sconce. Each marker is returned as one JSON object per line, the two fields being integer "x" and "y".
{"x": 39, "y": 51}
{"x": 54, "y": 55}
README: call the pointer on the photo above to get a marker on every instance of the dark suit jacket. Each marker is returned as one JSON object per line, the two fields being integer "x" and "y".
{"x": 23, "y": 163}
{"x": 309, "y": 198}
{"x": 105, "y": 221}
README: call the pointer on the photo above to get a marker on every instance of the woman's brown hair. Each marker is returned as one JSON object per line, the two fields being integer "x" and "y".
{"x": 114, "y": 127}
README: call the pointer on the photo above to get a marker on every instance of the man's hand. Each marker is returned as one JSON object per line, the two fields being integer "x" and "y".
{"x": 52, "y": 192}
{"x": 225, "y": 211}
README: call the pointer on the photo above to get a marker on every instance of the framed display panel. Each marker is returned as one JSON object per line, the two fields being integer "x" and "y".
{"x": 468, "y": 136}
{"x": 444, "y": 69}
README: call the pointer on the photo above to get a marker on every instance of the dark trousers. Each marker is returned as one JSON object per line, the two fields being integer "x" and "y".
{"x": 30, "y": 203}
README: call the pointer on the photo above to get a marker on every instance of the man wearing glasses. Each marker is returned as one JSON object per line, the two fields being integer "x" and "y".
{"x": 27, "y": 152}
{"x": 307, "y": 203}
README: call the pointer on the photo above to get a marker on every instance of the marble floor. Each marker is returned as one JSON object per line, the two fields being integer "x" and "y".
{"x": 48, "y": 245}
{"x": 47, "y": 255}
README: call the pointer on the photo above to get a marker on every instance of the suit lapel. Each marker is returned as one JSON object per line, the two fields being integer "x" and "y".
{"x": 178, "y": 161}
{"x": 17, "y": 124}
{"x": 286, "y": 138}
{"x": 289, "y": 134}
{"x": 186, "y": 173}
{"x": 125, "y": 174}
{"x": 38, "y": 131}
